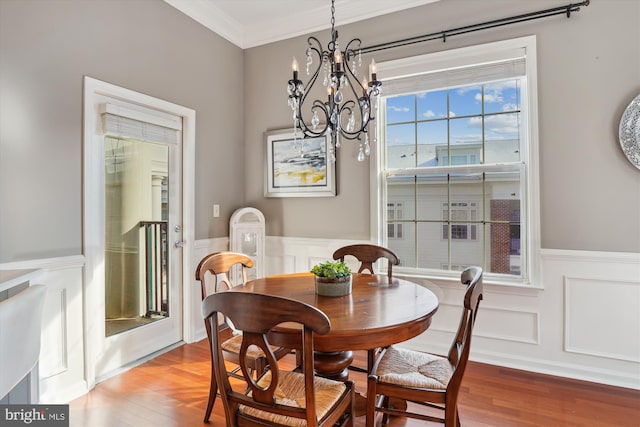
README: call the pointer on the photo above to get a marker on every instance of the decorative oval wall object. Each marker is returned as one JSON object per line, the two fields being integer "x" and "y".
{"x": 629, "y": 132}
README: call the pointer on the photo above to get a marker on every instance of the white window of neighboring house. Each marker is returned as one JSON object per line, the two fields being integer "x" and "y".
{"x": 460, "y": 213}
{"x": 394, "y": 213}
{"x": 457, "y": 162}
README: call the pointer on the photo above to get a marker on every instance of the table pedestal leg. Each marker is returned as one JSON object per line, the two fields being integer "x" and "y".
{"x": 333, "y": 365}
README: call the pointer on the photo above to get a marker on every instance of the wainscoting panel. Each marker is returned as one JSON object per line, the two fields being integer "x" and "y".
{"x": 62, "y": 355}
{"x": 54, "y": 360}
{"x": 588, "y": 327}
{"x": 508, "y": 325}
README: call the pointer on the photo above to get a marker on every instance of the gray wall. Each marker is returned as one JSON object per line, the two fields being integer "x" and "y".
{"x": 588, "y": 72}
{"x": 46, "y": 47}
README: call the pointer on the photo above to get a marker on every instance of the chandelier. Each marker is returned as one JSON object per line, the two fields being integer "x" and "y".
{"x": 347, "y": 110}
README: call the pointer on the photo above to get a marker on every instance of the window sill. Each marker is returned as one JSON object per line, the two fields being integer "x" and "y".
{"x": 454, "y": 277}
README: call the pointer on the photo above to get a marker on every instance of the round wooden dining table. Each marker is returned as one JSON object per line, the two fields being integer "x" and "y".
{"x": 376, "y": 314}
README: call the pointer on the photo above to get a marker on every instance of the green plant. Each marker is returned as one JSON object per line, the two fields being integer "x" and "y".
{"x": 331, "y": 269}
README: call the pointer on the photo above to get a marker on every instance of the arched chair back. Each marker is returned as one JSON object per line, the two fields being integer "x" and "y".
{"x": 367, "y": 255}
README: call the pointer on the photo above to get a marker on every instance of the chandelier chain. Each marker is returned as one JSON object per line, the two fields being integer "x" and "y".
{"x": 333, "y": 16}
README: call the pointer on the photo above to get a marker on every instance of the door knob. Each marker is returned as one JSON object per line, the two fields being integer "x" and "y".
{"x": 179, "y": 244}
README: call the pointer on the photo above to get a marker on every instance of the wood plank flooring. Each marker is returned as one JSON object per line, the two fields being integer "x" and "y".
{"x": 171, "y": 391}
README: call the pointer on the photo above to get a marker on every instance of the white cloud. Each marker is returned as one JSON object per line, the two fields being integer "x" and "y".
{"x": 465, "y": 89}
{"x": 429, "y": 114}
{"x": 493, "y": 97}
{"x": 398, "y": 109}
{"x": 475, "y": 122}
{"x": 500, "y": 86}
{"x": 505, "y": 125}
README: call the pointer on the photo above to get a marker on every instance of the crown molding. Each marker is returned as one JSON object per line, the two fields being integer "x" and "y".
{"x": 282, "y": 26}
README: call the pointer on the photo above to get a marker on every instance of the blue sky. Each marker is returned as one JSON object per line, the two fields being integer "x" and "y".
{"x": 464, "y": 111}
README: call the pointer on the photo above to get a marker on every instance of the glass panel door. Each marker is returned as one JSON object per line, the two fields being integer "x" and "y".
{"x": 136, "y": 234}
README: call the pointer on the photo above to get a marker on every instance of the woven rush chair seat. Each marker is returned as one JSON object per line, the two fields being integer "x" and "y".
{"x": 414, "y": 369}
{"x": 290, "y": 392}
{"x": 232, "y": 345}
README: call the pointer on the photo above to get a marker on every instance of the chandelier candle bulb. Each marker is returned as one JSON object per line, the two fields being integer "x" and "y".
{"x": 294, "y": 67}
{"x": 373, "y": 69}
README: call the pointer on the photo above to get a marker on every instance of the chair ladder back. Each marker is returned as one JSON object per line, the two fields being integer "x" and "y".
{"x": 367, "y": 255}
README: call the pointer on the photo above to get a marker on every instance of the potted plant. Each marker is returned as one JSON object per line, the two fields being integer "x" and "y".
{"x": 333, "y": 278}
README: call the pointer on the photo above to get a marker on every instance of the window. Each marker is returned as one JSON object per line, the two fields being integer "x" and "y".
{"x": 457, "y": 165}
{"x": 394, "y": 213}
{"x": 460, "y": 212}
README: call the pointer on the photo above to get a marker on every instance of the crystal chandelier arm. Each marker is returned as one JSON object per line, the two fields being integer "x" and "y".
{"x": 314, "y": 48}
{"x": 361, "y": 94}
{"x": 309, "y": 132}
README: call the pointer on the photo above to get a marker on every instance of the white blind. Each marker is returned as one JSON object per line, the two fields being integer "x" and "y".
{"x": 440, "y": 74}
{"x": 121, "y": 122}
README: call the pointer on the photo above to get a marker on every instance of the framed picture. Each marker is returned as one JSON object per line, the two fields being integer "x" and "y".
{"x": 298, "y": 167}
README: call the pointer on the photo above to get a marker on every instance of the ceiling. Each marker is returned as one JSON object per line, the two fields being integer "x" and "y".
{"x": 249, "y": 23}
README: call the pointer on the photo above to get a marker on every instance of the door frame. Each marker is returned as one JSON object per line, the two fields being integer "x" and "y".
{"x": 93, "y": 214}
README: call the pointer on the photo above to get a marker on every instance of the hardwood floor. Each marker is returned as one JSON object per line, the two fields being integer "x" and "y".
{"x": 172, "y": 389}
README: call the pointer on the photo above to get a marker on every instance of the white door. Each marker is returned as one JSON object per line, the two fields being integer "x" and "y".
{"x": 134, "y": 239}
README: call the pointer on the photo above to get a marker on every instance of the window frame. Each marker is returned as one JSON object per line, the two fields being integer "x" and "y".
{"x": 530, "y": 199}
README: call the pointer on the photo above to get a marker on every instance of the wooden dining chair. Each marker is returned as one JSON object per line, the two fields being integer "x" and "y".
{"x": 368, "y": 254}
{"x": 217, "y": 266}
{"x": 424, "y": 378}
{"x": 276, "y": 397}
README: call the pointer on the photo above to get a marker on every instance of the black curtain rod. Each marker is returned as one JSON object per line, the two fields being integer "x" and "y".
{"x": 443, "y": 35}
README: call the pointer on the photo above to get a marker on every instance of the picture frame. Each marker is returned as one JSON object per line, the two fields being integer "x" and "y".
{"x": 298, "y": 167}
